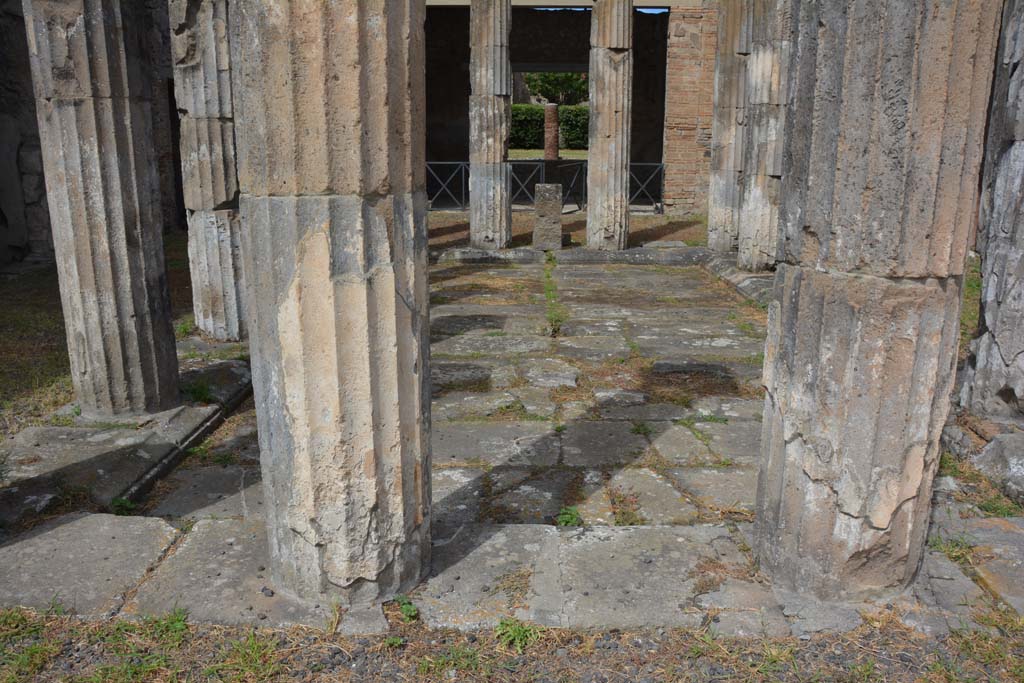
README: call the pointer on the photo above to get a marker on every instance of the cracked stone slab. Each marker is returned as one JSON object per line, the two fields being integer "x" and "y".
{"x": 724, "y": 487}
{"x": 1001, "y": 563}
{"x": 658, "y": 502}
{"x": 536, "y": 401}
{"x": 495, "y": 443}
{"x": 945, "y": 597}
{"x": 536, "y": 500}
{"x": 632, "y": 577}
{"x": 219, "y": 574}
{"x": 594, "y": 348}
{"x": 212, "y": 492}
{"x": 486, "y": 345}
{"x": 647, "y": 412}
{"x": 747, "y": 610}
{"x": 462, "y": 404}
{"x": 455, "y": 498}
{"x": 680, "y": 445}
{"x": 550, "y": 373}
{"x": 488, "y": 572}
{"x": 85, "y": 562}
{"x": 808, "y": 615}
{"x": 594, "y": 443}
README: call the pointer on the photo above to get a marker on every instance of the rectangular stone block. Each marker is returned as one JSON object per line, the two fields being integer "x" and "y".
{"x": 215, "y": 262}
{"x": 201, "y": 57}
{"x": 547, "y": 230}
{"x": 490, "y": 205}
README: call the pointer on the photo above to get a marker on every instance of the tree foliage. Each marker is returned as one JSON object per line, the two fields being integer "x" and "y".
{"x": 560, "y": 88}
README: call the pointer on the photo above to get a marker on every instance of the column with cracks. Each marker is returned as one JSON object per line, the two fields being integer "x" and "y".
{"x": 490, "y": 101}
{"x": 884, "y": 146}
{"x": 728, "y": 122}
{"x": 611, "y": 101}
{"x": 994, "y": 381}
{"x": 90, "y": 73}
{"x": 330, "y": 108}
{"x": 202, "y": 84}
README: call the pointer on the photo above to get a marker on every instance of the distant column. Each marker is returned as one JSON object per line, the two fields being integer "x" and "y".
{"x": 767, "y": 71}
{"x": 994, "y": 382}
{"x": 329, "y": 103}
{"x": 490, "y": 175}
{"x": 727, "y": 126}
{"x": 93, "y": 100}
{"x": 885, "y": 143}
{"x": 611, "y": 95}
{"x": 202, "y": 89}
{"x": 550, "y": 132}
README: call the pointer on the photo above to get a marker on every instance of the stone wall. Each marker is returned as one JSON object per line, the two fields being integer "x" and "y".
{"x": 689, "y": 99}
{"x": 25, "y": 221}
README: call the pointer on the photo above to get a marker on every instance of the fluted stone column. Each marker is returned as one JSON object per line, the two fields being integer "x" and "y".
{"x": 202, "y": 84}
{"x": 767, "y": 71}
{"x": 330, "y": 110}
{"x": 611, "y": 96}
{"x": 876, "y": 210}
{"x": 994, "y": 381}
{"x": 490, "y": 174}
{"x": 724, "y": 191}
{"x": 93, "y": 101}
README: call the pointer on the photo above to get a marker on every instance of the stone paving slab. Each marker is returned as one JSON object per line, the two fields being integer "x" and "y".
{"x": 745, "y": 609}
{"x": 495, "y": 443}
{"x": 678, "y": 444}
{"x": 456, "y": 498}
{"x": 219, "y": 574}
{"x": 82, "y": 562}
{"x": 472, "y": 345}
{"x": 537, "y": 500}
{"x": 945, "y": 597}
{"x": 600, "y": 443}
{"x": 658, "y": 501}
{"x": 723, "y": 487}
{"x": 212, "y": 493}
{"x": 1000, "y": 553}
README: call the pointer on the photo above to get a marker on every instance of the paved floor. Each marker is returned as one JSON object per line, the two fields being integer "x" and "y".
{"x": 595, "y": 446}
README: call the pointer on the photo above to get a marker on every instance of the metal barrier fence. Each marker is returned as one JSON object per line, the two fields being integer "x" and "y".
{"x": 448, "y": 183}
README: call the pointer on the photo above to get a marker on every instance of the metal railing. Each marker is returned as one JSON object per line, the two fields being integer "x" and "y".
{"x": 448, "y": 183}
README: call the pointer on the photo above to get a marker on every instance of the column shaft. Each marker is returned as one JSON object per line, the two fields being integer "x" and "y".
{"x": 767, "y": 71}
{"x": 884, "y": 144}
{"x": 490, "y": 174}
{"x": 93, "y": 102}
{"x": 724, "y": 191}
{"x": 330, "y": 102}
{"x": 611, "y": 96}
{"x": 994, "y": 381}
{"x": 202, "y": 84}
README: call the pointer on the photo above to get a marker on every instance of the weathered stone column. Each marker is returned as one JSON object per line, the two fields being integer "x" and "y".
{"x": 724, "y": 190}
{"x": 876, "y": 210}
{"x": 490, "y": 174}
{"x": 202, "y": 84}
{"x": 330, "y": 109}
{"x": 550, "y": 132}
{"x": 767, "y": 71}
{"x": 994, "y": 381}
{"x": 89, "y": 73}
{"x": 611, "y": 96}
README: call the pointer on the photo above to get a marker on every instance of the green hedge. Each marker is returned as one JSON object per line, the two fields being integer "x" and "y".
{"x": 528, "y": 126}
{"x": 574, "y": 125}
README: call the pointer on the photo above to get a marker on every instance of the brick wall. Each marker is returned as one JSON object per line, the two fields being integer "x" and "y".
{"x": 689, "y": 100}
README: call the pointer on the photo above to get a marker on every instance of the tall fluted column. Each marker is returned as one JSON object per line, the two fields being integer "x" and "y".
{"x": 490, "y": 174}
{"x": 994, "y": 381}
{"x": 884, "y": 141}
{"x": 202, "y": 85}
{"x": 724, "y": 191}
{"x": 330, "y": 111}
{"x": 611, "y": 96}
{"x": 767, "y": 71}
{"x": 89, "y": 73}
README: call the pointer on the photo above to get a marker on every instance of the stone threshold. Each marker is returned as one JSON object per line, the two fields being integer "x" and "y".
{"x": 112, "y": 464}
{"x": 755, "y": 286}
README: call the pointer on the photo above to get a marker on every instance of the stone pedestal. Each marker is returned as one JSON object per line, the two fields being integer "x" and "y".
{"x": 611, "y": 95}
{"x": 202, "y": 85}
{"x": 490, "y": 175}
{"x": 93, "y": 102}
{"x": 994, "y": 381}
{"x": 767, "y": 72}
{"x": 330, "y": 101}
{"x": 547, "y": 231}
{"x": 724, "y": 192}
{"x": 550, "y": 132}
{"x": 876, "y": 212}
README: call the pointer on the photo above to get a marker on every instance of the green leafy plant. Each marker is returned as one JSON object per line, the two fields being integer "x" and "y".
{"x": 122, "y": 506}
{"x": 408, "y": 610}
{"x": 569, "y": 516}
{"x": 516, "y": 635}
